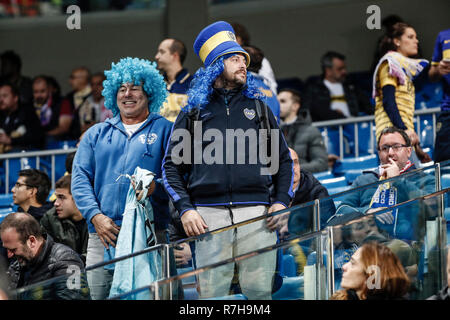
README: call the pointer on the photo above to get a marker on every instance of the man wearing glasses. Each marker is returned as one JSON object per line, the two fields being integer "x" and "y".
{"x": 394, "y": 151}
{"x": 31, "y": 191}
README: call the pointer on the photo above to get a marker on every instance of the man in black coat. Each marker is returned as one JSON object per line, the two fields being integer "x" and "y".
{"x": 307, "y": 188}
{"x": 38, "y": 258}
{"x": 331, "y": 96}
{"x": 20, "y": 128}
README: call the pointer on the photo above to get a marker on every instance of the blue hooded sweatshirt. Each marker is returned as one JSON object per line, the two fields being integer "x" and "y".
{"x": 107, "y": 152}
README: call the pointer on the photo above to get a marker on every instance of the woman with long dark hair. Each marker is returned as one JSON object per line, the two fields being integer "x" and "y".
{"x": 393, "y": 87}
{"x": 373, "y": 273}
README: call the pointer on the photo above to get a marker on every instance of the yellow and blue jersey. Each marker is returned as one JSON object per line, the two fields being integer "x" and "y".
{"x": 404, "y": 98}
{"x": 177, "y": 97}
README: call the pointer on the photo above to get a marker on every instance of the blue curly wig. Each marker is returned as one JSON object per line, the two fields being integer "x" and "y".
{"x": 137, "y": 71}
{"x": 202, "y": 85}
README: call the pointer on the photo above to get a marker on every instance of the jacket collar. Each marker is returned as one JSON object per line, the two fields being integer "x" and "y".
{"x": 44, "y": 252}
{"x": 117, "y": 121}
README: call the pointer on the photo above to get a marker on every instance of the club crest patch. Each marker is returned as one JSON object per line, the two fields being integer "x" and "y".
{"x": 249, "y": 113}
{"x": 151, "y": 139}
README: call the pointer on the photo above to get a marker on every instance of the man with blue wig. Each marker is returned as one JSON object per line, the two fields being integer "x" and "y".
{"x": 228, "y": 181}
{"x": 136, "y": 136}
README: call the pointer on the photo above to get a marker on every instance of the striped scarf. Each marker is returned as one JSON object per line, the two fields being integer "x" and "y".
{"x": 400, "y": 67}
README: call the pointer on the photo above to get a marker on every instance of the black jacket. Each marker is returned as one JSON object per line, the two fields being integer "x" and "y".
{"x": 307, "y": 142}
{"x": 54, "y": 260}
{"x": 221, "y": 183}
{"x": 38, "y": 212}
{"x": 301, "y": 219}
{"x": 23, "y": 127}
{"x": 317, "y": 99}
{"x": 65, "y": 231}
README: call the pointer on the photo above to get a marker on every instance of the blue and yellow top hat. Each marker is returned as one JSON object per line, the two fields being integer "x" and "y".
{"x": 216, "y": 40}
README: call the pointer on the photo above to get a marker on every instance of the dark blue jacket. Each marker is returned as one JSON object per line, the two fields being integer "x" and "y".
{"x": 225, "y": 181}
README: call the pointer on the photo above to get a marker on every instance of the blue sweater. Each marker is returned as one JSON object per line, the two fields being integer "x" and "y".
{"x": 106, "y": 152}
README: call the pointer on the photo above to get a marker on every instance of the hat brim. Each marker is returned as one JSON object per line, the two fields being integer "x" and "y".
{"x": 247, "y": 56}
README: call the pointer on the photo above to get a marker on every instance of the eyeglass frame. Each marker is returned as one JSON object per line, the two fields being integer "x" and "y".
{"x": 18, "y": 185}
{"x": 396, "y": 147}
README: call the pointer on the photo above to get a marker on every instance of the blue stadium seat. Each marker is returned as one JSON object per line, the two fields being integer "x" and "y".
{"x": 190, "y": 294}
{"x": 6, "y": 200}
{"x": 4, "y": 212}
{"x": 445, "y": 180}
{"x": 426, "y": 135}
{"x": 187, "y": 280}
{"x": 323, "y": 175}
{"x": 288, "y": 267}
{"x": 341, "y": 166}
{"x": 352, "y": 174}
{"x": 291, "y": 289}
{"x": 336, "y": 190}
{"x": 331, "y": 138}
{"x": 334, "y": 182}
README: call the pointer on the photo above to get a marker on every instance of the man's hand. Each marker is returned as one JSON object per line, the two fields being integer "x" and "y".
{"x": 139, "y": 193}
{"x": 184, "y": 255}
{"x": 444, "y": 67}
{"x": 5, "y": 139}
{"x": 390, "y": 169}
{"x": 106, "y": 229}
{"x": 277, "y": 221}
{"x": 193, "y": 223}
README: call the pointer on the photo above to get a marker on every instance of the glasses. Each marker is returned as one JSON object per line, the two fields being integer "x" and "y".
{"x": 18, "y": 185}
{"x": 396, "y": 147}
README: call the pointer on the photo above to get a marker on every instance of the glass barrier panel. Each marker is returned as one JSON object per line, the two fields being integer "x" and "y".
{"x": 445, "y": 174}
{"x": 102, "y": 280}
{"x": 288, "y": 270}
{"x": 371, "y": 193}
{"x": 258, "y": 231}
{"x": 413, "y": 231}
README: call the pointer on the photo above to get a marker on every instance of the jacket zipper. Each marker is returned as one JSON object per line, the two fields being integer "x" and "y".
{"x": 228, "y": 167}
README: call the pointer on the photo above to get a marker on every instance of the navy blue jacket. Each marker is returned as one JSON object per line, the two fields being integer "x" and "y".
{"x": 225, "y": 181}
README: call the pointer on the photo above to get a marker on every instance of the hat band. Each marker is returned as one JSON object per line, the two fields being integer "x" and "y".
{"x": 214, "y": 41}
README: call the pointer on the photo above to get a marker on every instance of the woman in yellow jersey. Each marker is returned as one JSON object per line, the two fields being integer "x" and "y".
{"x": 393, "y": 88}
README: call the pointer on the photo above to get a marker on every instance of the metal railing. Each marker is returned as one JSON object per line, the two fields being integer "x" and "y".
{"x": 24, "y": 162}
{"x": 371, "y": 121}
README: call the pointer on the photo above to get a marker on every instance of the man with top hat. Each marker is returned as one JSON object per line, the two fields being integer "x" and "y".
{"x": 218, "y": 170}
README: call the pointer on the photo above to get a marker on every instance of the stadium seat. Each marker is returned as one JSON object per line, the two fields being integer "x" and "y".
{"x": 334, "y": 182}
{"x": 291, "y": 289}
{"x": 426, "y": 134}
{"x": 323, "y": 175}
{"x": 445, "y": 180}
{"x": 336, "y": 190}
{"x": 6, "y": 200}
{"x": 331, "y": 139}
{"x": 187, "y": 280}
{"x": 351, "y": 174}
{"x": 341, "y": 166}
{"x": 4, "y": 212}
{"x": 288, "y": 266}
{"x": 290, "y": 83}
{"x": 190, "y": 294}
